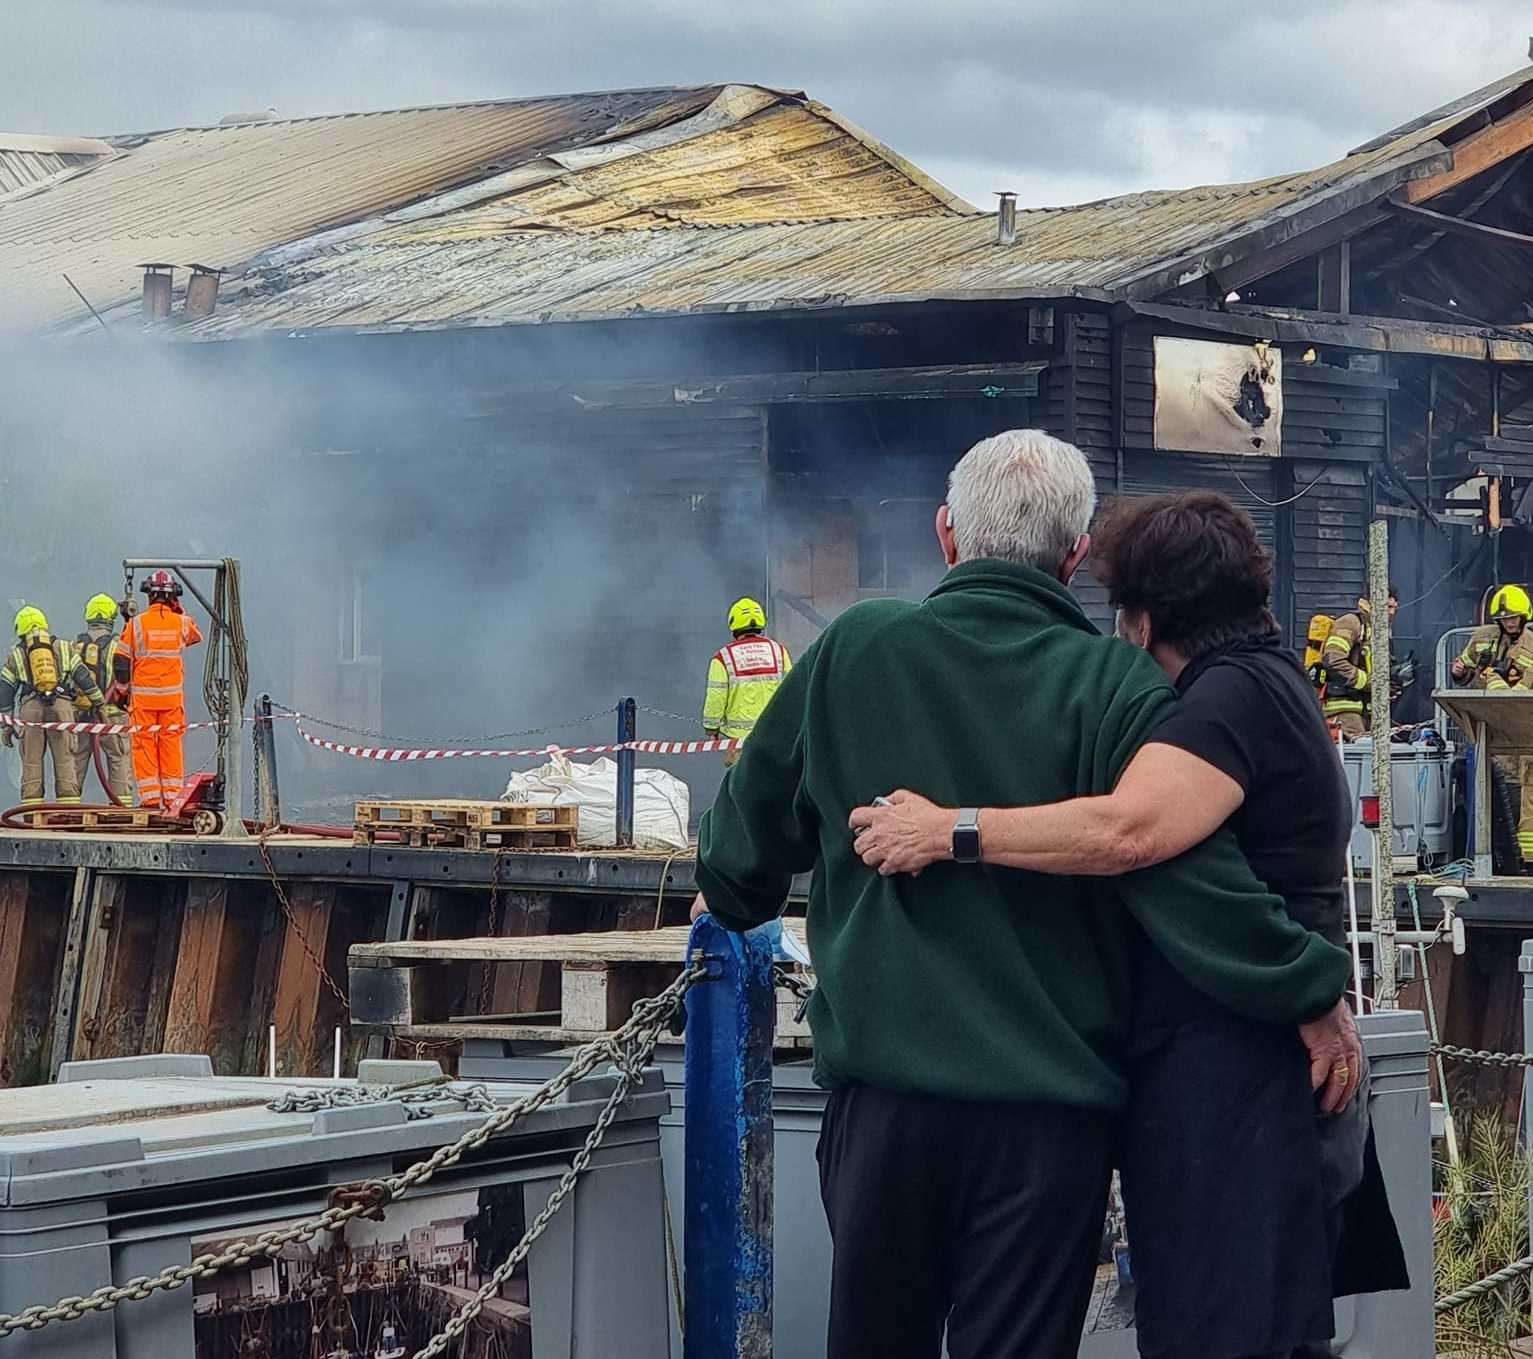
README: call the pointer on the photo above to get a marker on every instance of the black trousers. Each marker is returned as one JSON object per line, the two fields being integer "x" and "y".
{"x": 983, "y": 1218}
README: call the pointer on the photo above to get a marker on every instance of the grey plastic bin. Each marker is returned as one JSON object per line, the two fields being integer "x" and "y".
{"x": 1422, "y": 785}
{"x": 105, "y": 1179}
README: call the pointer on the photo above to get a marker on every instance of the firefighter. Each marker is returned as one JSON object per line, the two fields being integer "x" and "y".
{"x": 38, "y": 679}
{"x": 742, "y": 676}
{"x": 1502, "y": 647}
{"x": 155, "y": 642}
{"x": 99, "y": 650}
{"x": 1345, "y": 662}
{"x": 1499, "y": 659}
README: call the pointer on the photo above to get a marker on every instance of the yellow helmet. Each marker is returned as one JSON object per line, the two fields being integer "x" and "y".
{"x": 745, "y": 614}
{"x": 30, "y": 620}
{"x": 1510, "y": 601}
{"x": 100, "y": 609}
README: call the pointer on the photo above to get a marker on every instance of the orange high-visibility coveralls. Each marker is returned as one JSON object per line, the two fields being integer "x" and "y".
{"x": 154, "y": 641}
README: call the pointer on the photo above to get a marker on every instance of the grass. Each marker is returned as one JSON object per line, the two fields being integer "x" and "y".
{"x": 1480, "y": 1224}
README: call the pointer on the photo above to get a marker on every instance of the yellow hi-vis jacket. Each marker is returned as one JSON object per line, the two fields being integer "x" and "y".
{"x": 742, "y": 677}
{"x": 1346, "y": 665}
{"x": 1488, "y": 648}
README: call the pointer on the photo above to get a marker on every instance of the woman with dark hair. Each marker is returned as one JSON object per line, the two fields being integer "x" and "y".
{"x": 1242, "y": 1186}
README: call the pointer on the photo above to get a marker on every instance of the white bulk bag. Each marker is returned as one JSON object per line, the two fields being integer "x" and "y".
{"x": 661, "y": 802}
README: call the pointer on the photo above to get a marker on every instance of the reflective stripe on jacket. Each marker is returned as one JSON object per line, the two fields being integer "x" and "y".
{"x": 100, "y": 652}
{"x": 16, "y": 678}
{"x": 154, "y": 641}
{"x": 742, "y": 677}
{"x": 1489, "y": 647}
{"x": 1346, "y": 666}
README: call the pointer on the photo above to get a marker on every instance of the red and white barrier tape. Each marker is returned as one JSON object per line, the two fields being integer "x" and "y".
{"x": 401, "y": 756}
{"x": 103, "y": 728}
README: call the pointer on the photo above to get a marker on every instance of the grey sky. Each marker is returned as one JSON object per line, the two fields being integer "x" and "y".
{"x": 1059, "y": 101}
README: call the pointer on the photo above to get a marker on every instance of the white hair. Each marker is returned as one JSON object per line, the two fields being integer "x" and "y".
{"x": 1022, "y": 496}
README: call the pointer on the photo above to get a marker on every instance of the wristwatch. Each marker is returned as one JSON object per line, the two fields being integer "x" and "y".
{"x": 966, "y": 837}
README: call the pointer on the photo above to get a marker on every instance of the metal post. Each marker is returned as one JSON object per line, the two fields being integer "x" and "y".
{"x": 728, "y": 1155}
{"x": 264, "y": 744}
{"x": 1525, "y": 966}
{"x": 1385, "y": 971}
{"x": 627, "y": 730}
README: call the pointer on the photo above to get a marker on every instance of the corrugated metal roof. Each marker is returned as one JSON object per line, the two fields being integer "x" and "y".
{"x": 484, "y": 266}
{"x": 650, "y": 201}
{"x": 28, "y": 161}
{"x": 221, "y": 195}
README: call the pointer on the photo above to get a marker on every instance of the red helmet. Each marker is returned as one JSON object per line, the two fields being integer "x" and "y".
{"x": 162, "y": 585}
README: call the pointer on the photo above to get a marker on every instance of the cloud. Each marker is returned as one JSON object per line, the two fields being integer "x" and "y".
{"x": 1095, "y": 97}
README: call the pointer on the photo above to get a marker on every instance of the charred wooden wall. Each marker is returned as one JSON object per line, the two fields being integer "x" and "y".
{"x": 1101, "y": 396}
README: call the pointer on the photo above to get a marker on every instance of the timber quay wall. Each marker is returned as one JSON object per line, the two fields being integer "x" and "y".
{"x": 112, "y": 946}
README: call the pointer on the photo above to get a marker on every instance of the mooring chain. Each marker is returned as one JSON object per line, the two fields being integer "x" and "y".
{"x": 475, "y": 1099}
{"x": 1480, "y": 1056}
{"x": 629, "y": 1049}
{"x": 315, "y": 960}
{"x": 487, "y": 975}
{"x": 1480, "y": 1287}
{"x": 799, "y": 985}
{"x": 661, "y": 712}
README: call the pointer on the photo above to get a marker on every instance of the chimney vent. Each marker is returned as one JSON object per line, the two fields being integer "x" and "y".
{"x": 1006, "y": 222}
{"x": 201, "y": 292}
{"x": 157, "y": 283}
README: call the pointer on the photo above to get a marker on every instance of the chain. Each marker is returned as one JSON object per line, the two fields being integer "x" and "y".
{"x": 475, "y": 1099}
{"x": 1488, "y": 1284}
{"x": 692, "y": 721}
{"x": 798, "y": 985}
{"x": 791, "y": 981}
{"x": 1480, "y": 1056}
{"x": 287, "y": 909}
{"x": 628, "y": 1049}
{"x": 487, "y": 975}
{"x": 466, "y": 739}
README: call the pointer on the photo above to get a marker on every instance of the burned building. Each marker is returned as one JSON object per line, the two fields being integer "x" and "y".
{"x": 501, "y": 404}
{"x": 558, "y": 378}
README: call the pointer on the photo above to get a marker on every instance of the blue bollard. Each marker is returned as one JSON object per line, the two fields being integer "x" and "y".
{"x": 728, "y": 1155}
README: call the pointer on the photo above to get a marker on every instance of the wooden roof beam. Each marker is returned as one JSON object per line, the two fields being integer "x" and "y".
{"x": 1476, "y": 153}
{"x": 1443, "y": 222}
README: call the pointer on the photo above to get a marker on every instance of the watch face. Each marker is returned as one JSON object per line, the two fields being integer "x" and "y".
{"x": 966, "y": 844}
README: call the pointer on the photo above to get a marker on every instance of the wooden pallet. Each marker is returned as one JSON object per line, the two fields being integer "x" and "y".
{"x": 92, "y": 818}
{"x": 432, "y": 823}
{"x": 405, "y": 988}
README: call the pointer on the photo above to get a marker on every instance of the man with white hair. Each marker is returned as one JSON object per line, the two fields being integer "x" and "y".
{"x": 970, "y": 1022}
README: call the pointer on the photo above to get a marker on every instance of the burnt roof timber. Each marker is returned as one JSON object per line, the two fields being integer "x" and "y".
{"x": 1445, "y": 222}
{"x": 1417, "y": 248}
{"x": 1379, "y": 334}
{"x": 1478, "y": 152}
{"x": 938, "y": 382}
{"x": 1230, "y": 254}
{"x": 1284, "y": 253}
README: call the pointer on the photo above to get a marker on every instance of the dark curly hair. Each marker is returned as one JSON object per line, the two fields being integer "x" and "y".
{"x": 1192, "y": 562}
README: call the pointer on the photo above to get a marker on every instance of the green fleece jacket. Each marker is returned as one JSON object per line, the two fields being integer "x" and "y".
{"x": 968, "y": 981}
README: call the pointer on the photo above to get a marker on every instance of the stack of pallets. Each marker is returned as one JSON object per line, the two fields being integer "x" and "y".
{"x": 412, "y": 989}
{"x": 453, "y": 824}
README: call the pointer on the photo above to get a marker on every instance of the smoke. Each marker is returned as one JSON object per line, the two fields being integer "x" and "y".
{"x": 409, "y": 565}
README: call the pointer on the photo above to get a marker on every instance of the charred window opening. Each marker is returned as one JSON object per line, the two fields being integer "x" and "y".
{"x": 1251, "y": 405}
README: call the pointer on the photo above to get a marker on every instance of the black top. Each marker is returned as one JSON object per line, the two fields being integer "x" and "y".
{"x": 1248, "y": 710}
